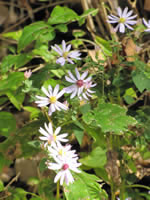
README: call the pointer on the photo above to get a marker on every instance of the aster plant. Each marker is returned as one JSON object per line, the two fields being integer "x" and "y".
{"x": 125, "y": 19}
{"x": 81, "y": 85}
{"x": 51, "y": 99}
{"x": 65, "y": 54}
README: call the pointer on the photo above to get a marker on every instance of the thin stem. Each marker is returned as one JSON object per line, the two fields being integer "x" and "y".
{"x": 58, "y": 191}
{"x": 138, "y": 186}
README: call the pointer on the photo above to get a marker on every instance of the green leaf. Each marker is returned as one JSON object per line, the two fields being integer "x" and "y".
{"x": 62, "y": 28}
{"x": 88, "y": 118}
{"x": 7, "y": 123}
{"x": 62, "y": 15}
{"x": 1, "y": 186}
{"x": 15, "y": 60}
{"x": 97, "y": 158}
{"x": 13, "y": 35}
{"x": 141, "y": 81}
{"x": 16, "y": 98}
{"x": 112, "y": 118}
{"x": 78, "y": 33}
{"x": 79, "y": 134}
{"x": 31, "y": 32}
{"x": 104, "y": 45}
{"x": 34, "y": 112}
{"x": 12, "y": 82}
{"x": 33, "y": 181}
{"x": 91, "y": 190}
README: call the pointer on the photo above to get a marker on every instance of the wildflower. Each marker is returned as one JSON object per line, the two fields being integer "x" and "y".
{"x": 61, "y": 151}
{"x": 147, "y": 24}
{"x": 52, "y": 99}
{"x": 51, "y": 137}
{"x": 66, "y": 54}
{"x": 124, "y": 20}
{"x": 80, "y": 86}
{"x": 63, "y": 167}
{"x": 27, "y": 74}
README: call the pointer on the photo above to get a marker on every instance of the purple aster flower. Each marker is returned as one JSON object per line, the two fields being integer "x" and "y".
{"x": 65, "y": 54}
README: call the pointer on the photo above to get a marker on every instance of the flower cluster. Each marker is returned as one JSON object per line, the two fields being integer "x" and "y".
{"x": 125, "y": 19}
{"x": 64, "y": 159}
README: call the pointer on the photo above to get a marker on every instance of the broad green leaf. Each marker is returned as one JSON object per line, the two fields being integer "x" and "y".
{"x": 62, "y": 15}
{"x": 7, "y": 63}
{"x": 101, "y": 172}
{"x": 130, "y": 92}
{"x": 104, "y": 45}
{"x": 32, "y": 32}
{"x": 15, "y": 60}
{"x": 97, "y": 158}
{"x": 43, "y": 52}
{"x": 7, "y": 123}
{"x": 113, "y": 118}
{"x": 88, "y": 118}
{"x": 34, "y": 112}
{"x": 12, "y": 82}
{"x": 62, "y": 28}
{"x": 141, "y": 81}
{"x": 13, "y": 35}
{"x": 85, "y": 187}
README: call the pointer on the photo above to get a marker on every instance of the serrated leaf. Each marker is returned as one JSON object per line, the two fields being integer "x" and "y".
{"x": 62, "y": 15}
{"x": 7, "y": 123}
{"x": 91, "y": 190}
{"x": 97, "y": 158}
{"x": 113, "y": 118}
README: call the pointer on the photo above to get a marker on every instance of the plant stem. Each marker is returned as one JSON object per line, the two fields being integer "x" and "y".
{"x": 58, "y": 192}
{"x": 138, "y": 186}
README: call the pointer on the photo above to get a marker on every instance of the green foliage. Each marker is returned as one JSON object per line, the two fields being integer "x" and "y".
{"x": 5, "y": 119}
{"x": 96, "y": 158}
{"x": 90, "y": 188}
{"x": 62, "y": 15}
{"x": 110, "y": 118}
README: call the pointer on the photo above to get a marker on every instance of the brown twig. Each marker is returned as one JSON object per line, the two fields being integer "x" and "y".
{"x": 138, "y": 99}
{"x": 13, "y": 180}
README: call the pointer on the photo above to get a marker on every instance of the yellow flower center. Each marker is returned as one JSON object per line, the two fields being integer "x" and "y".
{"x": 61, "y": 152}
{"x": 54, "y": 137}
{"x": 122, "y": 20}
{"x": 65, "y": 54}
{"x": 52, "y": 99}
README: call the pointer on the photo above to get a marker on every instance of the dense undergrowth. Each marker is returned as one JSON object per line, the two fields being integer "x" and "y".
{"x": 74, "y": 101}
